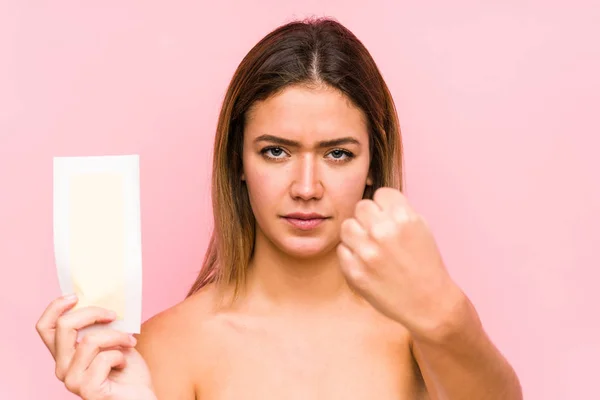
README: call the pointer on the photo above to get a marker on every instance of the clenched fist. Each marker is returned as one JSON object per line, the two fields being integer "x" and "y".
{"x": 390, "y": 257}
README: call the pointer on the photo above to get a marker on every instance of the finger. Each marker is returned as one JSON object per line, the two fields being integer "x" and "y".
{"x": 388, "y": 199}
{"x": 358, "y": 241}
{"x": 101, "y": 367}
{"x": 352, "y": 267}
{"x": 94, "y": 343}
{"x": 368, "y": 214}
{"x": 397, "y": 207}
{"x": 96, "y": 375}
{"x": 66, "y": 333}
{"x": 403, "y": 215}
{"x": 353, "y": 235}
{"x": 46, "y": 325}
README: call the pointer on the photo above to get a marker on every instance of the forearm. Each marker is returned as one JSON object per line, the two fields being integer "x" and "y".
{"x": 459, "y": 361}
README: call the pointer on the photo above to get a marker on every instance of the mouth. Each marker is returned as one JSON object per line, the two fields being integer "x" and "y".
{"x": 305, "y": 221}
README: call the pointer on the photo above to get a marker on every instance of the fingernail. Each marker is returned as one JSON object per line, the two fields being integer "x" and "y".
{"x": 133, "y": 340}
{"x": 112, "y": 314}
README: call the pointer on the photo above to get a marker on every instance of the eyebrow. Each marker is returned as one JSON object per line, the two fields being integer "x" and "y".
{"x": 293, "y": 143}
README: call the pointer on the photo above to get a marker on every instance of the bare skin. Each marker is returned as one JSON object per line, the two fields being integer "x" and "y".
{"x": 358, "y": 306}
{"x": 257, "y": 351}
{"x": 298, "y": 331}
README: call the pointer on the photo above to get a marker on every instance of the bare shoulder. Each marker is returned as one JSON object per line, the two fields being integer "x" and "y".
{"x": 169, "y": 343}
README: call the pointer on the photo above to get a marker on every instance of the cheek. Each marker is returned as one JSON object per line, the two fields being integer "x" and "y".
{"x": 265, "y": 188}
{"x": 345, "y": 193}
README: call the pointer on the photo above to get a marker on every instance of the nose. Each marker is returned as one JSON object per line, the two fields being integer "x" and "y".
{"x": 306, "y": 184}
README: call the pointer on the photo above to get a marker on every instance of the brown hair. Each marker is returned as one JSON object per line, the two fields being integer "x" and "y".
{"x": 318, "y": 51}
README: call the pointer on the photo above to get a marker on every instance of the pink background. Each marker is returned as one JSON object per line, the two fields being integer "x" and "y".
{"x": 499, "y": 108}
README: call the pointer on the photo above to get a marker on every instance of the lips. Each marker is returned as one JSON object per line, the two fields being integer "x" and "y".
{"x": 305, "y": 221}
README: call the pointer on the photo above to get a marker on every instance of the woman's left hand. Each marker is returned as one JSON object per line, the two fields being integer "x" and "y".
{"x": 390, "y": 257}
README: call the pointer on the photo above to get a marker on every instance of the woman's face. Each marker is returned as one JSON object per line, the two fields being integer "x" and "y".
{"x": 306, "y": 164}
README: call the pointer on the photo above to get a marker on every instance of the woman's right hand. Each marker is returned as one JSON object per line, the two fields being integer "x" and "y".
{"x": 104, "y": 365}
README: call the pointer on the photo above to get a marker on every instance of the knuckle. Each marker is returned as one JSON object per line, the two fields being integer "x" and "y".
{"x": 382, "y": 192}
{"x": 62, "y": 368}
{"x": 346, "y": 227}
{"x": 103, "y": 357}
{"x": 89, "y": 340}
{"x": 106, "y": 357}
{"x": 72, "y": 383}
{"x": 125, "y": 338}
{"x": 120, "y": 356}
{"x": 62, "y": 322}
{"x": 386, "y": 230}
{"x": 412, "y": 221}
{"x": 356, "y": 274}
{"x": 361, "y": 205}
{"x": 60, "y": 374}
{"x": 392, "y": 194}
{"x": 380, "y": 231}
{"x": 369, "y": 254}
{"x": 401, "y": 215}
{"x": 111, "y": 357}
{"x": 366, "y": 208}
{"x": 354, "y": 226}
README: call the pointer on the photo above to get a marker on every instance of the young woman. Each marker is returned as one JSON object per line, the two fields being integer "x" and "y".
{"x": 320, "y": 280}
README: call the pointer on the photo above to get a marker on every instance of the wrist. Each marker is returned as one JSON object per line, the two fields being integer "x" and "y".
{"x": 453, "y": 316}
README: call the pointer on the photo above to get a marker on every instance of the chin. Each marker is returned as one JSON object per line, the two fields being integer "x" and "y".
{"x": 305, "y": 248}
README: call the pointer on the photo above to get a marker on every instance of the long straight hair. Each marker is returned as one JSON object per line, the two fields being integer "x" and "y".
{"x": 313, "y": 52}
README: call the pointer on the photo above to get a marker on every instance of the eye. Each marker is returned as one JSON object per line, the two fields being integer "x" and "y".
{"x": 275, "y": 152}
{"x": 341, "y": 155}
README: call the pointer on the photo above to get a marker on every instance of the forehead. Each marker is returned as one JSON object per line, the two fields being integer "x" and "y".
{"x": 307, "y": 115}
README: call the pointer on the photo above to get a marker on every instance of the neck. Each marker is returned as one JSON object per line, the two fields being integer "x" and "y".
{"x": 288, "y": 281}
